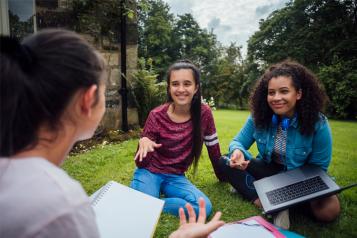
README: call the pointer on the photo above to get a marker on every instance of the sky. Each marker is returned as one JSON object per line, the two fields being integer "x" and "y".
{"x": 231, "y": 20}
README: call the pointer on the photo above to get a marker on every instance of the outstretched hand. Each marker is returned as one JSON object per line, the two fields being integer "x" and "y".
{"x": 145, "y": 146}
{"x": 193, "y": 228}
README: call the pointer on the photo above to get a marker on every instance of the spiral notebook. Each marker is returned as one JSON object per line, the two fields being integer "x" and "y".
{"x": 124, "y": 212}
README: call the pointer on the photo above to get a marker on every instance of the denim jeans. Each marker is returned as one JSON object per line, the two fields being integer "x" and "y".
{"x": 177, "y": 190}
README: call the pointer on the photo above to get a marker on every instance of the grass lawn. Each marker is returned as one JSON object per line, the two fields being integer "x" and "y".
{"x": 115, "y": 162}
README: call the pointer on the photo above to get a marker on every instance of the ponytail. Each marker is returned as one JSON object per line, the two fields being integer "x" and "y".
{"x": 38, "y": 79}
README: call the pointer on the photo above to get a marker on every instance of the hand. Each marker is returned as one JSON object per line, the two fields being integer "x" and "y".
{"x": 199, "y": 229}
{"x": 145, "y": 145}
{"x": 238, "y": 161}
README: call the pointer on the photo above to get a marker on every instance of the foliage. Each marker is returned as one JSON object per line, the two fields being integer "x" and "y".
{"x": 340, "y": 80}
{"x": 322, "y": 36}
{"x": 115, "y": 162}
{"x": 155, "y": 30}
{"x": 146, "y": 91}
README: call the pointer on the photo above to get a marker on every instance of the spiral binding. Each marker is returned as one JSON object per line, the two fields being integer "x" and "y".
{"x": 101, "y": 193}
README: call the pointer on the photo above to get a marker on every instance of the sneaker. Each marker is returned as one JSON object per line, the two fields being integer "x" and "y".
{"x": 281, "y": 219}
{"x": 233, "y": 190}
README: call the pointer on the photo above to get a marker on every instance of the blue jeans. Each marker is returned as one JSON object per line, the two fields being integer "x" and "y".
{"x": 177, "y": 190}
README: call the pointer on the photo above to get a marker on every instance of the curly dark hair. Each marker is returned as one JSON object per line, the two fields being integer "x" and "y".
{"x": 308, "y": 107}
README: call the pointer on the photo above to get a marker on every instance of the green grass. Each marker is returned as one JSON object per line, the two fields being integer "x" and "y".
{"x": 115, "y": 162}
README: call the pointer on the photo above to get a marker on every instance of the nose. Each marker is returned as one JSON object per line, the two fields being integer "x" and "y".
{"x": 277, "y": 96}
{"x": 180, "y": 88}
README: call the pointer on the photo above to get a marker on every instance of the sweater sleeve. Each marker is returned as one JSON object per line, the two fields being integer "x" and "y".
{"x": 210, "y": 139}
{"x": 150, "y": 128}
{"x": 150, "y": 131}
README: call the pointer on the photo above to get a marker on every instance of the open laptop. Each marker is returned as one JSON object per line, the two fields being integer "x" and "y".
{"x": 289, "y": 188}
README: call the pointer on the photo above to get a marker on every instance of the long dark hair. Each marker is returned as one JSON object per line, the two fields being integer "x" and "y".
{"x": 38, "y": 79}
{"x": 195, "y": 109}
{"x": 307, "y": 108}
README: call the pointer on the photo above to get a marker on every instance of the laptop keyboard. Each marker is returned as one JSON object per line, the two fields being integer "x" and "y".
{"x": 296, "y": 190}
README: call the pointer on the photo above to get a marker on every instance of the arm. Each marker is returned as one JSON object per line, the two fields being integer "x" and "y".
{"x": 321, "y": 146}
{"x": 148, "y": 137}
{"x": 210, "y": 139}
{"x": 244, "y": 139}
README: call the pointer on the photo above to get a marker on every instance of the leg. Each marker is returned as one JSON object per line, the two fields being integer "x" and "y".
{"x": 146, "y": 182}
{"x": 178, "y": 191}
{"x": 326, "y": 209}
{"x": 242, "y": 180}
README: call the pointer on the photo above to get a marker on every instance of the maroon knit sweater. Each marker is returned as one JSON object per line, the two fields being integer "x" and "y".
{"x": 175, "y": 155}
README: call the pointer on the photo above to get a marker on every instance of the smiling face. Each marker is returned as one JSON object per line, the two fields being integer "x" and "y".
{"x": 182, "y": 87}
{"x": 282, "y": 96}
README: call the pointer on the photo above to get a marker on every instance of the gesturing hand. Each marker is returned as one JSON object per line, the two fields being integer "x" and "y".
{"x": 145, "y": 145}
{"x": 238, "y": 161}
{"x": 193, "y": 228}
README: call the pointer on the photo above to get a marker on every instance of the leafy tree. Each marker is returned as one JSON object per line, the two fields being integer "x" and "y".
{"x": 340, "y": 80}
{"x": 319, "y": 34}
{"x": 155, "y": 31}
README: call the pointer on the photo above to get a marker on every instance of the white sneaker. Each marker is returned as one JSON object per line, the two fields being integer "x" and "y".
{"x": 281, "y": 219}
{"x": 233, "y": 190}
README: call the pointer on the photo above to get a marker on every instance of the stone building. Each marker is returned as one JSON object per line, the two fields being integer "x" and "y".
{"x": 20, "y": 18}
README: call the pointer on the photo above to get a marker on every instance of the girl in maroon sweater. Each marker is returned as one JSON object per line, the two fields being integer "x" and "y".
{"x": 172, "y": 140}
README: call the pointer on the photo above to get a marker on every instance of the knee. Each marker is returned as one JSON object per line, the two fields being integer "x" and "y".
{"x": 326, "y": 210}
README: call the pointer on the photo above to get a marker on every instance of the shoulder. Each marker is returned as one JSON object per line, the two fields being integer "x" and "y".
{"x": 40, "y": 191}
{"x": 159, "y": 110}
{"x": 205, "y": 110}
{"x": 322, "y": 122}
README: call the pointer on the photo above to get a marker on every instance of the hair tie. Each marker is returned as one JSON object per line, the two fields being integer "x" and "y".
{"x": 22, "y": 54}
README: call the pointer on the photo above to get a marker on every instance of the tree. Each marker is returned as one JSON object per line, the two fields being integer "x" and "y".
{"x": 320, "y": 35}
{"x": 155, "y": 31}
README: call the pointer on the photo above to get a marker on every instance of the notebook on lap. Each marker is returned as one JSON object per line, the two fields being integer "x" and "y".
{"x": 124, "y": 212}
{"x": 290, "y": 188}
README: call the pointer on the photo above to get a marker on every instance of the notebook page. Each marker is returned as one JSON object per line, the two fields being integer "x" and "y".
{"x": 242, "y": 231}
{"x": 124, "y": 212}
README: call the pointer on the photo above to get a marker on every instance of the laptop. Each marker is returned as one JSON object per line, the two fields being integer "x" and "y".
{"x": 290, "y": 188}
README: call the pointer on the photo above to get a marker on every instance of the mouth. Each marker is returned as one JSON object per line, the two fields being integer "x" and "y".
{"x": 277, "y": 105}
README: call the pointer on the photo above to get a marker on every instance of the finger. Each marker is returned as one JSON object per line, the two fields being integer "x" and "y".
{"x": 141, "y": 155}
{"x": 137, "y": 155}
{"x": 182, "y": 216}
{"x": 202, "y": 212}
{"x": 157, "y": 145}
{"x": 191, "y": 213}
{"x": 145, "y": 152}
{"x": 216, "y": 216}
{"x": 213, "y": 225}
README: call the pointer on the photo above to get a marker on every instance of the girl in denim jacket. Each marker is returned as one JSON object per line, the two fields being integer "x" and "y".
{"x": 289, "y": 130}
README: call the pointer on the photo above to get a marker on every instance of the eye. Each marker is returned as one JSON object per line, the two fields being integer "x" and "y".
{"x": 188, "y": 83}
{"x": 285, "y": 91}
{"x": 271, "y": 93}
{"x": 174, "y": 83}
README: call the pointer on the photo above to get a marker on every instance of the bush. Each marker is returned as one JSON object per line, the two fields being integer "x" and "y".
{"x": 147, "y": 93}
{"x": 340, "y": 81}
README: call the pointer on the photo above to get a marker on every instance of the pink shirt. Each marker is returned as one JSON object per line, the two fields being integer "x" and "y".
{"x": 175, "y": 154}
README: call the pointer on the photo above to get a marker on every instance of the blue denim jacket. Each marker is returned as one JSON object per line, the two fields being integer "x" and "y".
{"x": 313, "y": 149}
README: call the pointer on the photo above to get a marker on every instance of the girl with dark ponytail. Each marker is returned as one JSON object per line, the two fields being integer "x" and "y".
{"x": 172, "y": 140}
